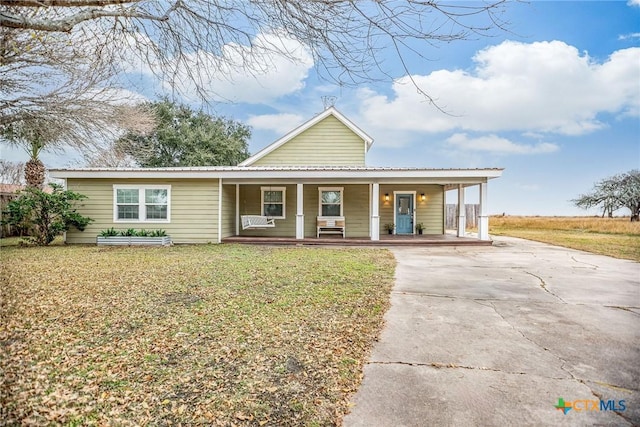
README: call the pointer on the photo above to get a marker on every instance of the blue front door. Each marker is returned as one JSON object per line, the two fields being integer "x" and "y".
{"x": 404, "y": 214}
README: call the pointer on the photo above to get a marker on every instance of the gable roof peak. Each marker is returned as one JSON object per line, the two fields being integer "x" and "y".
{"x": 330, "y": 111}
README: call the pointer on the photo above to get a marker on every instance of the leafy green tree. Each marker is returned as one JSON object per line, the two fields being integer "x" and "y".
{"x": 184, "y": 137}
{"x": 45, "y": 215}
{"x": 613, "y": 193}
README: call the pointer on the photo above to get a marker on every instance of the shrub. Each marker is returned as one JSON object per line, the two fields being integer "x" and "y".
{"x": 110, "y": 232}
{"x": 45, "y": 215}
{"x": 130, "y": 232}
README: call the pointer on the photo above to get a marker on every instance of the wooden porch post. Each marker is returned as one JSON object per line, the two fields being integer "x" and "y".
{"x": 483, "y": 218}
{"x": 237, "y": 209}
{"x": 375, "y": 211}
{"x": 462, "y": 209}
{"x": 300, "y": 211}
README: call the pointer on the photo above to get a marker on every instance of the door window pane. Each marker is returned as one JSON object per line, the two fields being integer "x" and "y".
{"x": 403, "y": 207}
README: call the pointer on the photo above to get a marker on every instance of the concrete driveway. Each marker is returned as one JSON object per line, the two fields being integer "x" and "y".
{"x": 496, "y": 335}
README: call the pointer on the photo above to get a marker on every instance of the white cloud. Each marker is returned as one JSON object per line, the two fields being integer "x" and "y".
{"x": 629, "y": 36}
{"x": 273, "y": 67}
{"x": 633, "y": 2}
{"x": 538, "y": 87}
{"x": 279, "y": 123}
{"x": 497, "y": 145}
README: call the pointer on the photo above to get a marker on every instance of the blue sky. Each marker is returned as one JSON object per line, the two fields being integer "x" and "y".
{"x": 555, "y": 101}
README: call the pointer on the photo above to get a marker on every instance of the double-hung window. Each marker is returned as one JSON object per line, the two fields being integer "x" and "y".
{"x": 331, "y": 201}
{"x": 141, "y": 203}
{"x": 273, "y": 202}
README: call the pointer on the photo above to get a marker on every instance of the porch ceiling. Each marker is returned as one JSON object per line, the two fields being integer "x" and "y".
{"x": 449, "y": 184}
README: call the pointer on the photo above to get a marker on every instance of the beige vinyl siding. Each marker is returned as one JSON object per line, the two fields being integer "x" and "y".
{"x": 228, "y": 210}
{"x": 250, "y": 198}
{"x": 194, "y": 209}
{"x": 311, "y": 208}
{"x": 430, "y": 212}
{"x": 356, "y": 210}
{"x": 328, "y": 143}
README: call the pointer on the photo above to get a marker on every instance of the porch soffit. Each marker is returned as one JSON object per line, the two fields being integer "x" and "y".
{"x": 450, "y": 183}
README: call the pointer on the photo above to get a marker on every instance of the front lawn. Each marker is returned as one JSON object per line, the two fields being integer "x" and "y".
{"x": 213, "y": 335}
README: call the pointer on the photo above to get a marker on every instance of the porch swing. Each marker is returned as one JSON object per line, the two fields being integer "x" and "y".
{"x": 257, "y": 222}
{"x": 250, "y": 222}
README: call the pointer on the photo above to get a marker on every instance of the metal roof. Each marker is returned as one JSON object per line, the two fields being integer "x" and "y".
{"x": 290, "y": 174}
{"x": 170, "y": 170}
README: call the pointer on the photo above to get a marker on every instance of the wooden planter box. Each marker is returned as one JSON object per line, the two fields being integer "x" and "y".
{"x": 133, "y": 241}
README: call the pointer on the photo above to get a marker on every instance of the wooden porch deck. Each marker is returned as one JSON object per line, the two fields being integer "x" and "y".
{"x": 385, "y": 240}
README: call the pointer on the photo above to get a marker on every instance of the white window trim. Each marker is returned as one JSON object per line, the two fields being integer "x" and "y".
{"x": 321, "y": 189}
{"x": 284, "y": 200}
{"x": 142, "y": 208}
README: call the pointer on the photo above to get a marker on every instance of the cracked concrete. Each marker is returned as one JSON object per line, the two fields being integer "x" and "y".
{"x": 543, "y": 285}
{"x": 494, "y": 336}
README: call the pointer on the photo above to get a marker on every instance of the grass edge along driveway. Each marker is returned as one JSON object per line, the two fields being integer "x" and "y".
{"x": 615, "y": 237}
{"x": 217, "y": 335}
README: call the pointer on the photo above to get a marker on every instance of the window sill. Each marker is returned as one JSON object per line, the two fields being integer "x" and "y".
{"x": 137, "y": 221}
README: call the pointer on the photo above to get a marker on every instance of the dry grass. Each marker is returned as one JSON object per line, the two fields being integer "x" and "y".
{"x": 585, "y": 224}
{"x": 617, "y": 237}
{"x": 188, "y": 335}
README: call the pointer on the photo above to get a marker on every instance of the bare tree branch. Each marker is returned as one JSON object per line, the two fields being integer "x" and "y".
{"x": 11, "y": 172}
{"x": 55, "y": 94}
{"x": 346, "y": 38}
{"x": 61, "y": 60}
{"x": 68, "y": 23}
{"x": 64, "y": 3}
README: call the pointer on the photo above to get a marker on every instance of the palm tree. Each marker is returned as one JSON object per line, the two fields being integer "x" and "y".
{"x": 34, "y": 170}
{"x": 55, "y": 130}
{"x": 33, "y": 136}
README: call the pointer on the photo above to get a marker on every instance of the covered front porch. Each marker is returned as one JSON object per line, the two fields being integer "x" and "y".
{"x": 400, "y": 210}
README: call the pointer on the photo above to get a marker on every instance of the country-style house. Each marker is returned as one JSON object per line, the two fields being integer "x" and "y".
{"x": 313, "y": 182}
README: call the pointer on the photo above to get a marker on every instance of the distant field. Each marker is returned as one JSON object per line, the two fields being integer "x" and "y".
{"x": 616, "y": 237}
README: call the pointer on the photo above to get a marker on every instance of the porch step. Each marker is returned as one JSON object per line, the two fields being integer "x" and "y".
{"x": 354, "y": 241}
